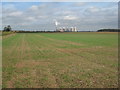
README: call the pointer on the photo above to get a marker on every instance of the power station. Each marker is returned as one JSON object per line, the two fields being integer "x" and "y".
{"x": 64, "y": 29}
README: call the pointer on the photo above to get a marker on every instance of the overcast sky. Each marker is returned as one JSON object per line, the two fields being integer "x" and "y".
{"x": 41, "y": 15}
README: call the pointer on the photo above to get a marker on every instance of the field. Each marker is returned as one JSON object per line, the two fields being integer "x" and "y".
{"x": 6, "y": 33}
{"x": 60, "y": 60}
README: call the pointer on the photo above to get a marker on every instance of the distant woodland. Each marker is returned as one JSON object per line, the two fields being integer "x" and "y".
{"x": 109, "y": 30}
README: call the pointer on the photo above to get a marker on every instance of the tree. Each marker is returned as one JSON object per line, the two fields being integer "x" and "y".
{"x": 5, "y": 28}
{"x": 8, "y": 28}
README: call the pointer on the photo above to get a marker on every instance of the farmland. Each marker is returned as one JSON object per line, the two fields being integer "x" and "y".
{"x": 60, "y": 60}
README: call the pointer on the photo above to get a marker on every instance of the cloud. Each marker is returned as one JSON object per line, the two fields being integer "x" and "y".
{"x": 69, "y": 17}
{"x": 79, "y": 4}
{"x": 17, "y": 13}
{"x": 32, "y": 19}
{"x": 34, "y": 8}
{"x": 93, "y": 9}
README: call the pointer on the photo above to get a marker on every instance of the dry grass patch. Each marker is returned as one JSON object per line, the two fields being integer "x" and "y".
{"x": 31, "y": 63}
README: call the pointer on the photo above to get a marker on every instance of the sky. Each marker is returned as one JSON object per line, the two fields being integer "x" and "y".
{"x": 60, "y": 0}
{"x": 85, "y": 16}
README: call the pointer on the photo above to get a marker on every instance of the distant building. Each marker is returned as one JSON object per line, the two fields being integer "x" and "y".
{"x": 67, "y": 29}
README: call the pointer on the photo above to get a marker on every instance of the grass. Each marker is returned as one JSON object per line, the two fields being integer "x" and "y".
{"x": 60, "y": 60}
{"x": 6, "y": 33}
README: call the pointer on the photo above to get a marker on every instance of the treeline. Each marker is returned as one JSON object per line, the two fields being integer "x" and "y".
{"x": 109, "y": 30}
{"x": 36, "y": 31}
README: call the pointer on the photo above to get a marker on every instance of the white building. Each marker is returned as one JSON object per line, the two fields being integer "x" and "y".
{"x": 67, "y": 29}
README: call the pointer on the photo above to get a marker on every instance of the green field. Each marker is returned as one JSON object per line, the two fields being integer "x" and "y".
{"x": 60, "y": 60}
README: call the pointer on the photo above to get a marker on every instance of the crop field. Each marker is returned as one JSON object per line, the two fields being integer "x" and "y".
{"x": 60, "y": 60}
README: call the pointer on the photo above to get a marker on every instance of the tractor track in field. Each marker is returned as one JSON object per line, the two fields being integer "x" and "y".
{"x": 20, "y": 49}
{"x": 61, "y": 41}
{"x": 54, "y": 45}
{"x": 10, "y": 83}
{"x": 7, "y": 36}
{"x": 28, "y": 63}
{"x": 11, "y": 52}
{"x": 51, "y": 77}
